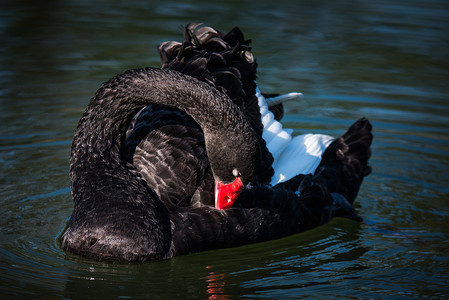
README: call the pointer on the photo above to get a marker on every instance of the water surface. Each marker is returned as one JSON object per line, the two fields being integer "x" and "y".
{"x": 386, "y": 61}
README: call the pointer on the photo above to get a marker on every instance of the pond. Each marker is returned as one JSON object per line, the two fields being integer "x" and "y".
{"x": 386, "y": 61}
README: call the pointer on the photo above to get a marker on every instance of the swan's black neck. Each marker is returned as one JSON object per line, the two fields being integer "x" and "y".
{"x": 116, "y": 102}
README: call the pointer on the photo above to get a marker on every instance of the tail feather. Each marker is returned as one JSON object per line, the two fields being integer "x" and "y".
{"x": 345, "y": 162}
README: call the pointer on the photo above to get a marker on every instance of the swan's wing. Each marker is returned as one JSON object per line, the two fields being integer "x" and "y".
{"x": 292, "y": 156}
{"x": 274, "y": 135}
{"x": 301, "y": 156}
{"x": 278, "y": 99}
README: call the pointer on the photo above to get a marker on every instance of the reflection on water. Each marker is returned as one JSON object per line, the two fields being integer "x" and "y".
{"x": 383, "y": 60}
{"x": 216, "y": 284}
{"x": 309, "y": 260}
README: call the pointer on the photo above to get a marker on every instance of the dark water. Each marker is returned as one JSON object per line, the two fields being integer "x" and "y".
{"x": 383, "y": 60}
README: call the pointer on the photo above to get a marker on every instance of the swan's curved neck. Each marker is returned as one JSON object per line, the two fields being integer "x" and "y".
{"x": 226, "y": 130}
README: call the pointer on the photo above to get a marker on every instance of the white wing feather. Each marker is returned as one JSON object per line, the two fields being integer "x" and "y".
{"x": 292, "y": 156}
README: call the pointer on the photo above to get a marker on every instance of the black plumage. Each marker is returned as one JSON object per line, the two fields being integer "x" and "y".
{"x": 225, "y": 62}
{"x": 123, "y": 214}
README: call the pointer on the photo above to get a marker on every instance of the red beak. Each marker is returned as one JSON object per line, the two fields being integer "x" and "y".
{"x": 226, "y": 194}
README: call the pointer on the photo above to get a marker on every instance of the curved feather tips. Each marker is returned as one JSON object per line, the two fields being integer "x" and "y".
{"x": 225, "y": 62}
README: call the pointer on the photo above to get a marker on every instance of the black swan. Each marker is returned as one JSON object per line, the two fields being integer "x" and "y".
{"x": 118, "y": 216}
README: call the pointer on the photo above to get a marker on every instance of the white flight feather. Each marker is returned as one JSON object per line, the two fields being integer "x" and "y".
{"x": 292, "y": 156}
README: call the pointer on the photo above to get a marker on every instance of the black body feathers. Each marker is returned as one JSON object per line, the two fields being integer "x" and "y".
{"x": 142, "y": 187}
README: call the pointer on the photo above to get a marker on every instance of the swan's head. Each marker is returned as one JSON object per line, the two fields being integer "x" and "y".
{"x": 233, "y": 165}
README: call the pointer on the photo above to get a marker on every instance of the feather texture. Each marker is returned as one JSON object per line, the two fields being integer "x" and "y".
{"x": 151, "y": 139}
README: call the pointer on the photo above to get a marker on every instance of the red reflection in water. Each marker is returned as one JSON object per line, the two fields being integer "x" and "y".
{"x": 216, "y": 286}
